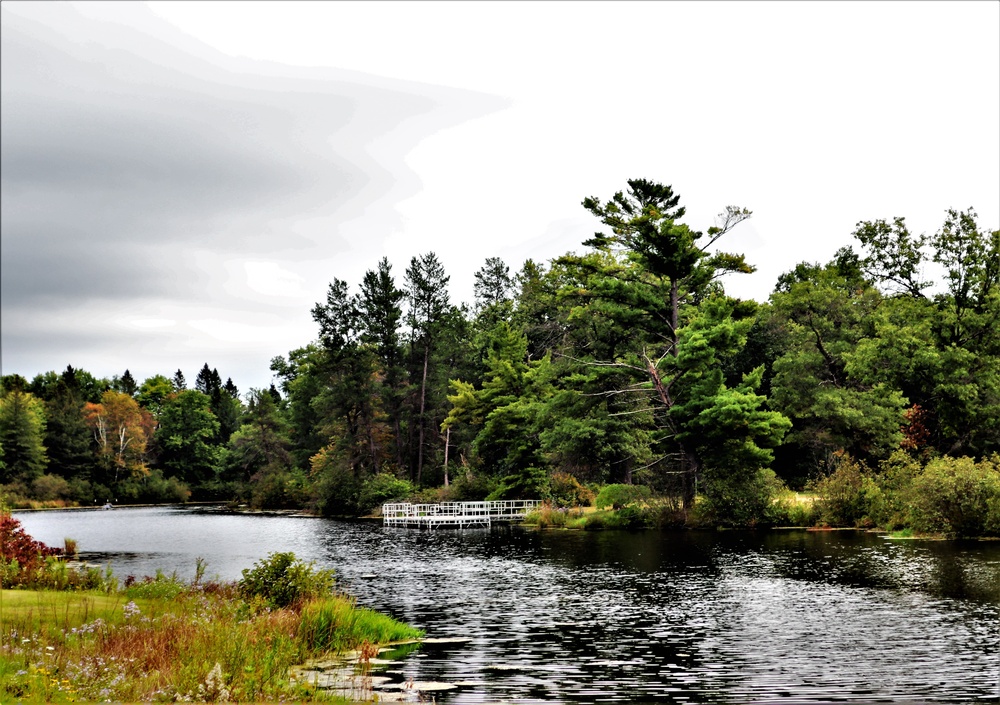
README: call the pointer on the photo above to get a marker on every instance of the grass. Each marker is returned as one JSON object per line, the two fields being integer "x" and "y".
{"x": 202, "y": 643}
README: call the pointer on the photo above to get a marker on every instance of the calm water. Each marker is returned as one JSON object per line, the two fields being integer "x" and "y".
{"x": 559, "y": 616}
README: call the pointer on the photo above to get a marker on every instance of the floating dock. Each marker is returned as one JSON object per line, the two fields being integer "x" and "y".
{"x": 458, "y": 515}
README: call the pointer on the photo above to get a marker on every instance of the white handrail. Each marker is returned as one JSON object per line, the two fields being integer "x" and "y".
{"x": 456, "y": 513}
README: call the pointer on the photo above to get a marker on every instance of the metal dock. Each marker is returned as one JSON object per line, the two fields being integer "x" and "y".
{"x": 459, "y": 515}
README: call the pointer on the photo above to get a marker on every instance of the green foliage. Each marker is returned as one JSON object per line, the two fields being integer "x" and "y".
{"x": 526, "y": 483}
{"x": 381, "y": 488}
{"x": 740, "y": 499}
{"x": 890, "y": 506}
{"x": 472, "y": 487}
{"x": 22, "y": 431}
{"x": 153, "y": 488}
{"x": 281, "y": 580}
{"x": 187, "y": 429}
{"x": 791, "y": 509}
{"x": 566, "y": 491}
{"x": 618, "y": 496}
{"x": 957, "y": 497}
{"x": 828, "y": 316}
{"x": 159, "y": 586}
{"x": 849, "y": 495}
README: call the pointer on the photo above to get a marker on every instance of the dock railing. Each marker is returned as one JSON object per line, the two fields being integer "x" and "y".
{"x": 459, "y": 514}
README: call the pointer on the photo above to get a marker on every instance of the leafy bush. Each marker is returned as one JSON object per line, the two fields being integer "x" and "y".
{"x": 51, "y": 487}
{"x": 618, "y": 496}
{"x": 21, "y": 555}
{"x": 848, "y": 495}
{"x": 956, "y": 496}
{"x": 744, "y": 499}
{"x": 382, "y": 488}
{"x": 469, "y": 487}
{"x": 792, "y": 510}
{"x": 281, "y": 580}
{"x": 566, "y": 491}
{"x": 890, "y": 506}
{"x": 152, "y": 489}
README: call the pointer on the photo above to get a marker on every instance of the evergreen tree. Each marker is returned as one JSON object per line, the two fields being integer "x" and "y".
{"x": 427, "y": 288}
{"x": 22, "y": 431}
{"x": 125, "y": 384}
{"x": 379, "y": 305}
{"x": 639, "y": 289}
{"x": 186, "y": 435}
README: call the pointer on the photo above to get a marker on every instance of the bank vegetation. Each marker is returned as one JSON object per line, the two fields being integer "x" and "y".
{"x": 862, "y": 380}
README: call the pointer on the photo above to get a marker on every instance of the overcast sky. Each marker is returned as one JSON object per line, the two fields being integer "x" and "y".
{"x": 181, "y": 181}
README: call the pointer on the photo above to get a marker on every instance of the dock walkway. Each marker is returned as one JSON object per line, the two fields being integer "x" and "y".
{"x": 456, "y": 514}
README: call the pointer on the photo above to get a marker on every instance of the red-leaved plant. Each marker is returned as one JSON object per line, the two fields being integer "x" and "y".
{"x": 16, "y": 545}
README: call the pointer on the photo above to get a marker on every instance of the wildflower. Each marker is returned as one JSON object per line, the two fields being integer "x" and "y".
{"x": 131, "y": 609}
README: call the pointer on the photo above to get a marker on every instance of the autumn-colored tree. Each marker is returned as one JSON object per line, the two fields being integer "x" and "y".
{"x": 122, "y": 430}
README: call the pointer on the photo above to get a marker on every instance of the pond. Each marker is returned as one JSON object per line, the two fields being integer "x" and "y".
{"x": 587, "y": 617}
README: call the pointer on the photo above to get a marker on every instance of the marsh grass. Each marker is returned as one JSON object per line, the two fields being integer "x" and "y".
{"x": 337, "y": 624}
{"x": 203, "y": 643}
{"x": 545, "y": 516}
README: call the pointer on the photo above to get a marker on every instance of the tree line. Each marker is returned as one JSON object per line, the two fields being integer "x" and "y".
{"x": 624, "y": 363}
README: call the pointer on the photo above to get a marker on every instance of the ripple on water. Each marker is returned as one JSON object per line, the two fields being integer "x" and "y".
{"x": 523, "y": 616}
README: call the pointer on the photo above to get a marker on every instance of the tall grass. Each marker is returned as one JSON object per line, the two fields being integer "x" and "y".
{"x": 197, "y": 645}
{"x": 337, "y": 624}
{"x": 159, "y": 639}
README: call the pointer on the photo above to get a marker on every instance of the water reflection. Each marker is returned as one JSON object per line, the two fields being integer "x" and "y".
{"x": 715, "y": 617}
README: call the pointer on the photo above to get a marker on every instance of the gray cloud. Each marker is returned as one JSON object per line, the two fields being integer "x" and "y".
{"x": 128, "y": 148}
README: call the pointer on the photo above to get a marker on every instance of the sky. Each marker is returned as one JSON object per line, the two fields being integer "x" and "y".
{"x": 182, "y": 181}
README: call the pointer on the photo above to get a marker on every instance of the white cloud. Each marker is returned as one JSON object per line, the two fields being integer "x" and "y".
{"x": 813, "y": 115}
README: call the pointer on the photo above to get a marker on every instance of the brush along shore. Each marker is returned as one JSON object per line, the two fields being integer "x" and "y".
{"x": 160, "y": 639}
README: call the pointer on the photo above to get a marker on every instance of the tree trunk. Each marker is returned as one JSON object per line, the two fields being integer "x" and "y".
{"x": 423, "y": 400}
{"x": 447, "y": 442}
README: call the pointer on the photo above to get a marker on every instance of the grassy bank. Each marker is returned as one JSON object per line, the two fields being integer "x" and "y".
{"x": 163, "y": 640}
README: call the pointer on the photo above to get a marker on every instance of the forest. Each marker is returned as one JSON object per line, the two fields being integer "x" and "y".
{"x": 862, "y": 380}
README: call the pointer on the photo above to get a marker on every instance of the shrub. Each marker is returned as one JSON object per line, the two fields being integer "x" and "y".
{"x": 382, "y": 488}
{"x": 51, "y": 487}
{"x": 21, "y": 555}
{"x": 740, "y": 498}
{"x": 472, "y": 487}
{"x": 847, "y": 496}
{"x": 618, "y": 496}
{"x": 629, "y": 517}
{"x": 566, "y": 491}
{"x": 152, "y": 489}
{"x": 890, "y": 508}
{"x": 281, "y": 580}
{"x": 956, "y": 496}
{"x": 792, "y": 510}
